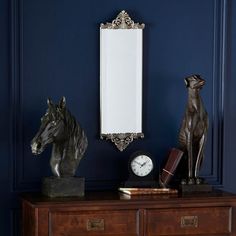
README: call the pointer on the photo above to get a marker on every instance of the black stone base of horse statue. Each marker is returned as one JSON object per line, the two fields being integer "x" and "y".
{"x": 63, "y": 187}
{"x": 195, "y": 188}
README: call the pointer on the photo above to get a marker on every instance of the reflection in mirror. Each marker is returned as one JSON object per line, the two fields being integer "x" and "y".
{"x": 121, "y": 80}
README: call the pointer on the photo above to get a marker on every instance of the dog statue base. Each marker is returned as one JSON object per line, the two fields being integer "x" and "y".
{"x": 195, "y": 188}
{"x": 63, "y": 187}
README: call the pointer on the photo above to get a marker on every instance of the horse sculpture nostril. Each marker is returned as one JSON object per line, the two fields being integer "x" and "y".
{"x": 35, "y": 147}
{"x": 39, "y": 146}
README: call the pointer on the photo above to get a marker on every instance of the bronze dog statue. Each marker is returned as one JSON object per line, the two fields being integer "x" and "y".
{"x": 193, "y": 132}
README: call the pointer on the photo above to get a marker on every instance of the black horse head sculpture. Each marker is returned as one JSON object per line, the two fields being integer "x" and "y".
{"x": 59, "y": 127}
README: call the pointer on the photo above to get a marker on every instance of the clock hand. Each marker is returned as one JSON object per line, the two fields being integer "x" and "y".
{"x": 144, "y": 163}
{"x": 138, "y": 163}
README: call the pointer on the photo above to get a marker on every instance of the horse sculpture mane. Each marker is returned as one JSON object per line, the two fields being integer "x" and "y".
{"x": 69, "y": 141}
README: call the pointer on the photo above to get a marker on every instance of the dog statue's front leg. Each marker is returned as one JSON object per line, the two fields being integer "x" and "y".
{"x": 190, "y": 158}
{"x": 189, "y": 135}
{"x": 199, "y": 158}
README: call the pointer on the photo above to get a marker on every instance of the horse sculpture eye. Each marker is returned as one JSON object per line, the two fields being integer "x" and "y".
{"x": 45, "y": 118}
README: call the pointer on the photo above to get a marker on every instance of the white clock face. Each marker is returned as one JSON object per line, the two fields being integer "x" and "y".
{"x": 142, "y": 165}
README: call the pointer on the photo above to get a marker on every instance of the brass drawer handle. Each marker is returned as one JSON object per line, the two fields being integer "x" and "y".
{"x": 95, "y": 224}
{"x": 189, "y": 222}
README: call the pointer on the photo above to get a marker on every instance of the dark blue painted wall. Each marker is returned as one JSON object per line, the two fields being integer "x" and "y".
{"x": 58, "y": 50}
{"x": 51, "y": 49}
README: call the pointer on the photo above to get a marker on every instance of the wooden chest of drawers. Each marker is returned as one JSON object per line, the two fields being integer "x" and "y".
{"x": 114, "y": 214}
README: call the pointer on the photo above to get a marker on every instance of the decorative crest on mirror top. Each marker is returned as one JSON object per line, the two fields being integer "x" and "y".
{"x": 122, "y": 21}
{"x": 122, "y": 140}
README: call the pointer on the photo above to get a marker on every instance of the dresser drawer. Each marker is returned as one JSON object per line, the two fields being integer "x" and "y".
{"x": 94, "y": 223}
{"x": 189, "y": 221}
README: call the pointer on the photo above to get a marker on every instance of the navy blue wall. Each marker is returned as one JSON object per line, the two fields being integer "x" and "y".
{"x": 51, "y": 49}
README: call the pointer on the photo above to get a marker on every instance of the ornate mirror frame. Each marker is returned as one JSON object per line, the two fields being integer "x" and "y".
{"x": 121, "y": 49}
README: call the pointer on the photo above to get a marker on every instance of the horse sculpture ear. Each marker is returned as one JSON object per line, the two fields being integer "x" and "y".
{"x": 62, "y": 103}
{"x": 49, "y": 102}
{"x": 186, "y": 81}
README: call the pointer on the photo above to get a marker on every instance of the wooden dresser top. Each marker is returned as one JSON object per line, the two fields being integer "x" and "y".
{"x": 115, "y": 197}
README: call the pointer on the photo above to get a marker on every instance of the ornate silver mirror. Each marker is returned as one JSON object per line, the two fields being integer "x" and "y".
{"x": 121, "y": 80}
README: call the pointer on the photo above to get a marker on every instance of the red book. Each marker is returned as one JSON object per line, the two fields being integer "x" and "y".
{"x": 170, "y": 166}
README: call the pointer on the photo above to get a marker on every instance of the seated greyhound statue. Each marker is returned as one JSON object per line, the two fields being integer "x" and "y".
{"x": 193, "y": 132}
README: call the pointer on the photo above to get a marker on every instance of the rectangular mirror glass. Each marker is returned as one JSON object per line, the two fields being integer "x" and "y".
{"x": 121, "y": 80}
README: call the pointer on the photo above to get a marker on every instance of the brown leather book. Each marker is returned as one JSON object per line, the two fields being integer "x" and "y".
{"x": 170, "y": 166}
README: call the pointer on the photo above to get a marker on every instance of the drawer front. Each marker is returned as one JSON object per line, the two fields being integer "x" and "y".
{"x": 94, "y": 223}
{"x": 189, "y": 221}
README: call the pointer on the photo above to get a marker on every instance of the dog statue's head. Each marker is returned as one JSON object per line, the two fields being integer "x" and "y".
{"x": 194, "y": 82}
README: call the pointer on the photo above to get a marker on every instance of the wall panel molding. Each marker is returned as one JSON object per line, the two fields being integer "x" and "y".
{"x": 16, "y": 142}
{"x": 15, "y": 221}
{"x": 219, "y": 62}
{"x": 20, "y": 183}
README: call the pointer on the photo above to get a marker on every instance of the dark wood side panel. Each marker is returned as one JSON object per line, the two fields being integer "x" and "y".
{"x": 233, "y": 222}
{"x": 30, "y": 216}
{"x": 189, "y": 221}
{"x": 43, "y": 219}
{"x": 94, "y": 223}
